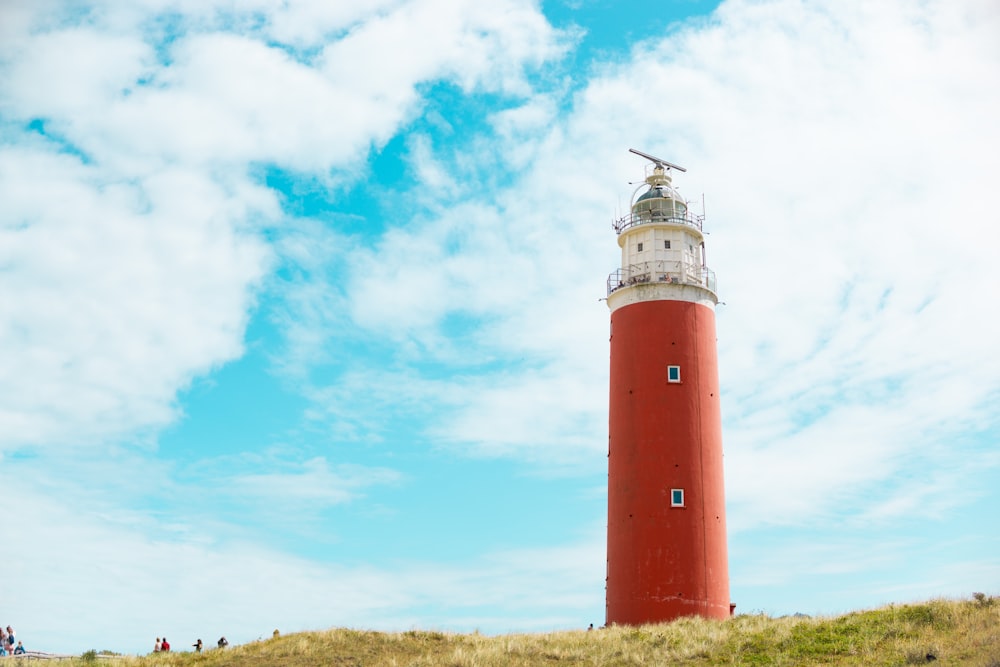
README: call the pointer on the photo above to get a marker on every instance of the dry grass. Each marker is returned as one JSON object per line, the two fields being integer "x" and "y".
{"x": 954, "y": 632}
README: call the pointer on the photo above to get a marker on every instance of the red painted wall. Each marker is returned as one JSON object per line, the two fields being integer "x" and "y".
{"x": 665, "y": 562}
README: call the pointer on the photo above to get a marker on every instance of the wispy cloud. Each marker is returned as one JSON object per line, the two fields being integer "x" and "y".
{"x": 162, "y": 584}
{"x": 117, "y": 292}
{"x": 306, "y": 486}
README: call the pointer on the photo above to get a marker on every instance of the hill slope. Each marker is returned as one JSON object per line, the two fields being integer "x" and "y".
{"x": 940, "y": 631}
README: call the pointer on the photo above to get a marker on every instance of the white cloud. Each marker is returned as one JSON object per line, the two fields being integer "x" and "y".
{"x": 117, "y": 292}
{"x": 428, "y": 170}
{"x": 132, "y": 221}
{"x": 476, "y": 45}
{"x": 829, "y": 571}
{"x": 555, "y": 418}
{"x": 195, "y": 587}
{"x": 309, "y": 485}
{"x": 72, "y": 74}
{"x": 845, "y": 155}
{"x": 309, "y": 23}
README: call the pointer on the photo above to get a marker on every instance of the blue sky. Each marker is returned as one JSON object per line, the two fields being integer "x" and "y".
{"x": 302, "y": 322}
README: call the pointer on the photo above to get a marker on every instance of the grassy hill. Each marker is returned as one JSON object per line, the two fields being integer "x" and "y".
{"x": 942, "y": 632}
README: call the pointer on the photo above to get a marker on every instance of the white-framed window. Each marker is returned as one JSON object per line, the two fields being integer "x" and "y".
{"x": 640, "y": 247}
{"x": 677, "y": 497}
{"x": 673, "y": 374}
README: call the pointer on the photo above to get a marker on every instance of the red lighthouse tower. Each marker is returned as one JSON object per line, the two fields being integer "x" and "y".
{"x": 666, "y": 503}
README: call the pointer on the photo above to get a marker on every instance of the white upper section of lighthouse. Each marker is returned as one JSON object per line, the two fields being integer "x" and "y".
{"x": 663, "y": 247}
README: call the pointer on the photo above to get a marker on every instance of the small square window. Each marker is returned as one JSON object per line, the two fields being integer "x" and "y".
{"x": 640, "y": 247}
{"x": 673, "y": 373}
{"x": 666, "y": 245}
{"x": 677, "y": 497}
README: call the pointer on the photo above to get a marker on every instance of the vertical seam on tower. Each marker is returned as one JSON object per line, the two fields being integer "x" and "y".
{"x": 701, "y": 453}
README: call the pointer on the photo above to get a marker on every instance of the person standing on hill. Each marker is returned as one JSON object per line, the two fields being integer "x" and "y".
{"x": 10, "y": 639}
{"x": 164, "y": 645}
{"x": 197, "y": 646}
{"x": 157, "y": 646}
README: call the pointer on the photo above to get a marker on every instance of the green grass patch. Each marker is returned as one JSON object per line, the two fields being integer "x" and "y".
{"x": 953, "y": 632}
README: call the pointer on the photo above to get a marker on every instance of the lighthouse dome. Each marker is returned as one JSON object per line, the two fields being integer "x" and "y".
{"x": 659, "y": 191}
{"x": 660, "y": 200}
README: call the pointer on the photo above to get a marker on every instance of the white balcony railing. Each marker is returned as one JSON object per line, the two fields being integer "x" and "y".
{"x": 662, "y": 271}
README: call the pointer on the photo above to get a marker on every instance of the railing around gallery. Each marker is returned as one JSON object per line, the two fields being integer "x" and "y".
{"x": 662, "y": 271}
{"x": 670, "y": 216}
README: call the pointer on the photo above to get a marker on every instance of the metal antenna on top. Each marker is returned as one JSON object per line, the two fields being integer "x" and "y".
{"x": 657, "y": 161}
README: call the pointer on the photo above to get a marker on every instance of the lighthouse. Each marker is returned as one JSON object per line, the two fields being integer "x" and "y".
{"x": 666, "y": 502}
